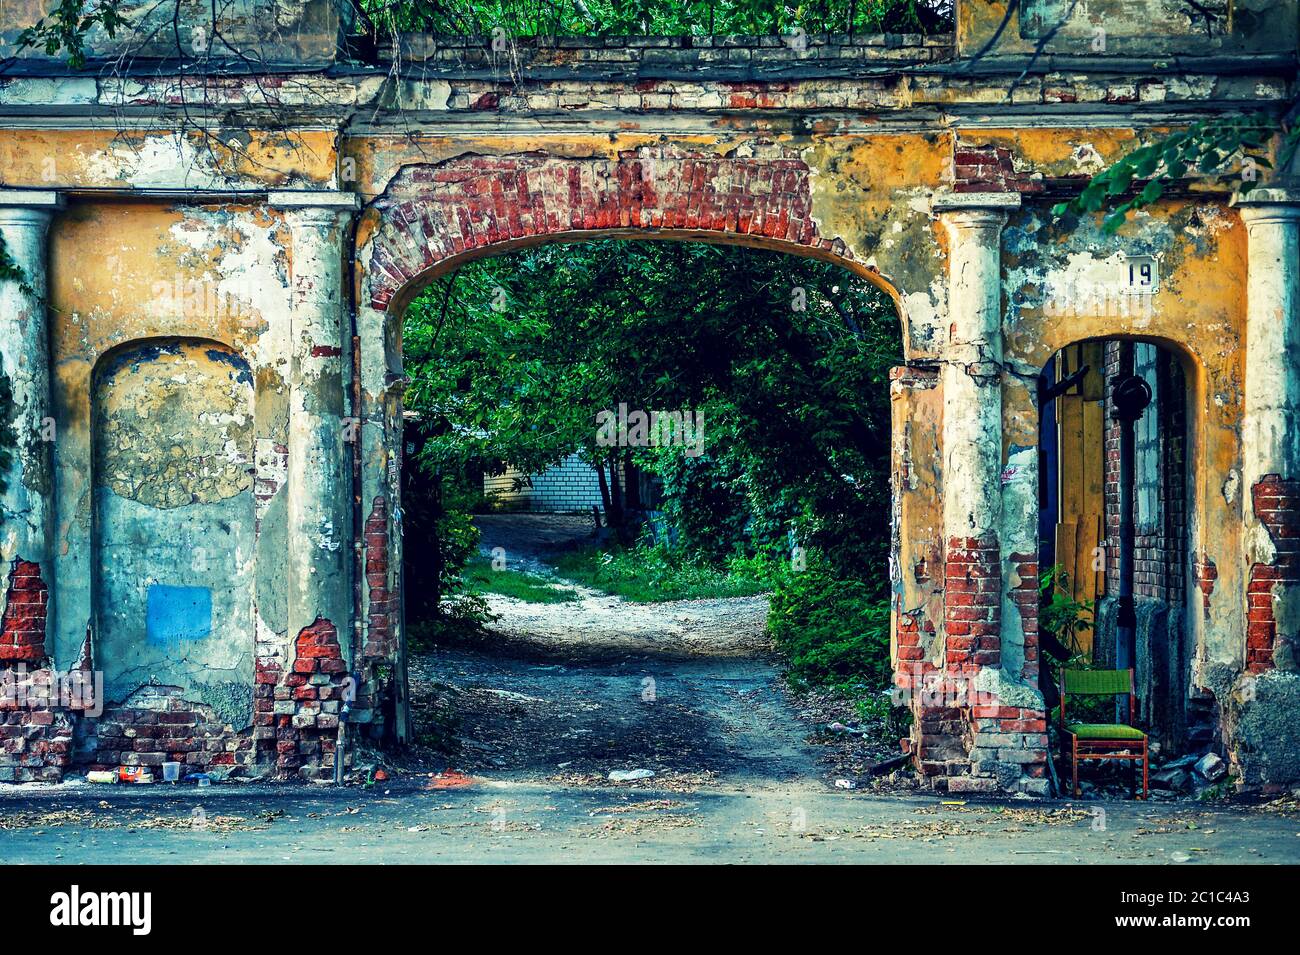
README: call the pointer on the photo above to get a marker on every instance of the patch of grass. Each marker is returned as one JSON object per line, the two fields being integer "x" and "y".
{"x": 480, "y": 578}
{"x": 650, "y": 574}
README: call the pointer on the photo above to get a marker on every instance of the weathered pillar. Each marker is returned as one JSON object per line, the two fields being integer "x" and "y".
{"x": 1270, "y": 429}
{"x": 961, "y": 738}
{"x": 27, "y": 504}
{"x": 972, "y": 425}
{"x": 318, "y": 483}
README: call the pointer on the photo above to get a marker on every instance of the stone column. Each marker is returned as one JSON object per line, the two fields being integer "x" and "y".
{"x": 27, "y": 515}
{"x": 1270, "y": 429}
{"x": 319, "y": 481}
{"x": 972, "y": 425}
{"x": 971, "y": 739}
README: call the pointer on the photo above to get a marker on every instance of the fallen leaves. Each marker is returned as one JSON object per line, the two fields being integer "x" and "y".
{"x": 128, "y": 818}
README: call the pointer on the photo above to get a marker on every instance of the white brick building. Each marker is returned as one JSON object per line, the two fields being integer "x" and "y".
{"x": 571, "y": 485}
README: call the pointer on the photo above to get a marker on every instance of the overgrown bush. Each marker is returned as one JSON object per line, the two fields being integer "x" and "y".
{"x": 439, "y": 538}
{"x": 834, "y": 630}
{"x": 704, "y": 502}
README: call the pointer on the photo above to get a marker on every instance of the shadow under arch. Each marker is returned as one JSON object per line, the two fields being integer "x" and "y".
{"x": 114, "y": 358}
{"x": 414, "y": 286}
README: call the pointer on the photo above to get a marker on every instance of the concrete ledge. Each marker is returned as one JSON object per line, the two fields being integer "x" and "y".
{"x": 313, "y": 199}
{"x": 32, "y": 198}
{"x": 1267, "y": 196}
{"x": 959, "y": 201}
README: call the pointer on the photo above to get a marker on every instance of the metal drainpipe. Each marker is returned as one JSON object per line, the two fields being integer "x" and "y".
{"x": 358, "y": 527}
{"x": 1131, "y": 396}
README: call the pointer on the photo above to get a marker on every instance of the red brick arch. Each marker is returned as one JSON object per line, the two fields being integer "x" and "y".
{"x": 435, "y": 216}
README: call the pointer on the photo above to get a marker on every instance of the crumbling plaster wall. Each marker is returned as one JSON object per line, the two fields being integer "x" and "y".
{"x": 130, "y": 158}
{"x": 1057, "y": 276}
{"x": 204, "y": 288}
{"x": 172, "y": 475}
{"x": 862, "y": 151}
{"x": 1199, "y": 313}
{"x": 1131, "y": 27}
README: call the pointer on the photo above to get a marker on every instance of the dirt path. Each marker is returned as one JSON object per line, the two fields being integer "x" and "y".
{"x": 597, "y": 625}
{"x": 571, "y": 692}
{"x": 689, "y": 722}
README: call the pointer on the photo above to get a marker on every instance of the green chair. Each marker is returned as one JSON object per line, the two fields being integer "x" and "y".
{"x": 1103, "y": 740}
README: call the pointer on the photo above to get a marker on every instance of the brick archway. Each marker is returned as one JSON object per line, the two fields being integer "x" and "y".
{"x": 433, "y": 217}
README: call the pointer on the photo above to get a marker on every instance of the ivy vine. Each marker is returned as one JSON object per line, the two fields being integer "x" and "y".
{"x": 1212, "y": 148}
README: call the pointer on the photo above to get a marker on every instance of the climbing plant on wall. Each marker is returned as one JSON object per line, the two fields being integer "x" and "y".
{"x": 1218, "y": 149}
{"x": 659, "y": 17}
{"x": 64, "y": 29}
{"x": 8, "y": 435}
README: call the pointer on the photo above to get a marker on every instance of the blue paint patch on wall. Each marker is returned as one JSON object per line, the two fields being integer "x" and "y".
{"x": 176, "y": 614}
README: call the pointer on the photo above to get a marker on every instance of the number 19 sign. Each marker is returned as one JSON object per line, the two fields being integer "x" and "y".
{"x": 1142, "y": 274}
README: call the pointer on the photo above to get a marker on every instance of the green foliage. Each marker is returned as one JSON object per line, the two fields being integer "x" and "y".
{"x": 705, "y": 502}
{"x": 1212, "y": 148}
{"x": 64, "y": 28}
{"x": 1059, "y": 613}
{"x": 8, "y": 435}
{"x": 439, "y": 511}
{"x": 10, "y": 270}
{"x": 834, "y": 630}
{"x": 1065, "y": 618}
{"x": 480, "y": 577}
{"x": 659, "y": 17}
{"x": 511, "y": 359}
{"x": 650, "y": 573}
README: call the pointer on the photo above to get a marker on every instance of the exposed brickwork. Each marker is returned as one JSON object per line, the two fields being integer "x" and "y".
{"x": 1206, "y": 576}
{"x": 379, "y": 629}
{"x": 266, "y": 678}
{"x": 990, "y": 169}
{"x": 432, "y": 213}
{"x": 35, "y": 737}
{"x": 307, "y": 702}
{"x": 165, "y": 727}
{"x": 1025, "y": 596}
{"x": 972, "y": 602}
{"x": 908, "y": 628}
{"x": 969, "y": 742}
{"x": 1009, "y": 745}
{"x": 570, "y": 486}
{"x": 964, "y": 740}
{"x": 680, "y": 58}
{"x": 1160, "y": 556}
{"x": 1277, "y": 506}
{"x": 1160, "y": 548}
{"x": 22, "y": 629}
{"x": 1115, "y": 357}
